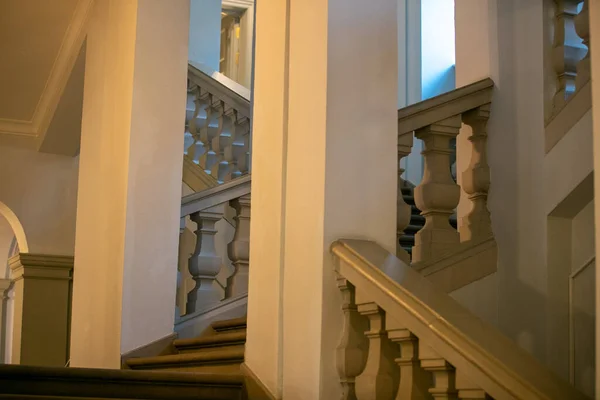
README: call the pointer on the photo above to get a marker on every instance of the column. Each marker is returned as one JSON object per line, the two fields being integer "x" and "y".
{"x": 42, "y": 294}
{"x": 5, "y": 285}
{"x": 333, "y": 94}
{"x": 129, "y": 192}
{"x": 594, "y": 10}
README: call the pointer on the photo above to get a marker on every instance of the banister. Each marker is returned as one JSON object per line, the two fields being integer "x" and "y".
{"x": 488, "y": 358}
{"x": 444, "y": 106}
{"x": 218, "y": 84}
{"x": 216, "y": 195}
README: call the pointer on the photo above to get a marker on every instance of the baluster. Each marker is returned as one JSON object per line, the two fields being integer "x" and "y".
{"x": 214, "y": 116}
{"x": 233, "y": 150}
{"x": 243, "y": 138}
{"x": 351, "y": 353}
{"x": 197, "y": 149}
{"x": 476, "y": 178}
{"x": 221, "y": 142}
{"x": 379, "y": 379}
{"x": 582, "y": 27}
{"x": 180, "y": 306}
{"x": 239, "y": 248}
{"x": 468, "y": 390}
{"x": 414, "y": 380}
{"x": 437, "y": 195}
{"x": 405, "y": 143}
{"x": 205, "y": 263}
{"x": 564, "y": 55}
{"x": 444, "y": 386}
{"x": 190, "y": 145}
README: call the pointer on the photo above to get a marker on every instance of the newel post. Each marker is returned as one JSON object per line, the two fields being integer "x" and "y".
{"x": 239, "y": 248}
{"x": 437, "y": 195}
{"x": 476, "y": 178}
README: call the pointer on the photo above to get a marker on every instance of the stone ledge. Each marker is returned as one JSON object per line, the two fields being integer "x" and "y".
{"x": 472, "y": 261}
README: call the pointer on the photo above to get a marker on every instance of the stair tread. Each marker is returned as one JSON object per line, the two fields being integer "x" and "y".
{"x": 227, "y": 355}
{"x": 220, "y": 339}
{"x": 229, "y": 324}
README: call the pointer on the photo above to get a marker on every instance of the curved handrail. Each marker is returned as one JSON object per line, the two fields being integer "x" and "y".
{"x": 488, "y": 358}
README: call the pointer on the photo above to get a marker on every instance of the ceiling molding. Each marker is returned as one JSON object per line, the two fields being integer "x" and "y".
{"x": 244, "y": 4}
{"x": 57, "y": 80}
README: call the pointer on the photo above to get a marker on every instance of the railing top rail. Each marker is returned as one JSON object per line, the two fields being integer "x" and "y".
{"x": 216, "y": 195}
{"x": 493, "y": 361}
{"x": 457, "y": 101}
{"x": 218, "y": 84}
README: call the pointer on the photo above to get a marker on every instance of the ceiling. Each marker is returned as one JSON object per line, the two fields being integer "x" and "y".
{"x": 40, "y": 44}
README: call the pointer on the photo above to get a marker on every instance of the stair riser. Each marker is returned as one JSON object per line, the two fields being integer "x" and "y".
{"x": 233, "y": 368}
{"x": 210, "y": 349}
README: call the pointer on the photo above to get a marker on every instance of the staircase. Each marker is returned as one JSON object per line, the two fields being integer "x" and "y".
{"x": 219, "y": 350}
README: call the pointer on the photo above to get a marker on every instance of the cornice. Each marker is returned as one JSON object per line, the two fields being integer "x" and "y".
{"x": 35, "y": 129}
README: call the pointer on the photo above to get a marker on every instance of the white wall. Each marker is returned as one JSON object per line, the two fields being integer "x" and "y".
{"x": 504, "y": 40}
{"x": 205, "y": 32}
{"x": 41, "y": 190}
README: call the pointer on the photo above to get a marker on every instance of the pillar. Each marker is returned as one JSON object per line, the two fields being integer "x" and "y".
{"x": 129, "y": 191}
{"x": 324, "y": 167}
{"x": 5, "y": 285}
{"x": 594, "y": 10}
{"x": 42, "y": 295}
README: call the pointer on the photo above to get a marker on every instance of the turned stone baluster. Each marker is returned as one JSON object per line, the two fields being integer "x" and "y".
{"x": 243, "y": 138}
{"x": 221, "y": 142}
{"x": 351, "y": 353}
{"x": 582, "y": 27}
{"x": 205, "y": 263}
{"x": 468, "y": 390}
{"x": 405, "y": 143}
{"x": 237, "y": 148}
{"x": 180, "y": 300}
{"x": 414, "y": 380}
{"x": 476, "y": 178}
{"x": 214, "y": 115}
{"x": 379, "y": 380}
{"x": 191, "y": 149}
{"x": 564, "y": 55}
{"x": 239, "y": 248}
{"x": 437, "y": 195}
{"x": 444, "y": 385}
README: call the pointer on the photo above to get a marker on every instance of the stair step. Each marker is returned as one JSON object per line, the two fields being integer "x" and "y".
{"x": 27, "y": 382}
{"x": 412, "y": 229}
{"x": 219, "y": 340}
{"x": 229, "y": 325}
{"x": 219, "y": 360}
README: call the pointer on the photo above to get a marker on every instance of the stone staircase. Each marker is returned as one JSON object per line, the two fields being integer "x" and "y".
{"x": 220, "y": 350}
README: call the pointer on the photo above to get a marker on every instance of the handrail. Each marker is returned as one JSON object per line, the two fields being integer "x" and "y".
{"x": 483, "y": 354}
{"x": 216, "y": 195}
{"x": 218, "y": 84}
{"x": 444, "y": 106}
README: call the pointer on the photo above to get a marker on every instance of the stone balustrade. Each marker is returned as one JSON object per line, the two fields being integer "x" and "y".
{"x": 437, "y": 122}
{"x": 570, "y": 56}
{"x": 403, "y": 338}
{"x": 204, "y": 212}
{"x": 218, "y": 127}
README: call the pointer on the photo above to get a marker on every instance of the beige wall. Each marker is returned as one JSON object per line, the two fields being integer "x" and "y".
{"x": 529, "y": 298}
{"x": 41, "y": 190}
